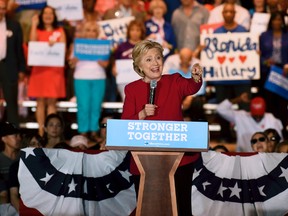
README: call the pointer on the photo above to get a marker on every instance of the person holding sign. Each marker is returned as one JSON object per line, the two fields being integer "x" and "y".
{"x": 165, "y": 102}
{"x": 274, "y": 52}
{"x": 89, "y": 85}
{"x": 47, "y": 83}
{"x": 160, "y": 30}
{"x": 227, "y": 89}
{"x": 135, "y": 33}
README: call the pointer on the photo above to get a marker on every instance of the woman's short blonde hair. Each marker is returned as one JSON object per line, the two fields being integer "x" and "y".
{"x": 88, "y": 24}
{"x": 157, "y": 3}
{"x": 141, "y": 49}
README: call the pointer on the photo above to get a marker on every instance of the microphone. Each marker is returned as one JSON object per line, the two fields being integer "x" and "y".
{"x": 153, "y": 85}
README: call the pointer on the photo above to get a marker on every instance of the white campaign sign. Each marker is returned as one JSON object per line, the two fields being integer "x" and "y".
{"x": 259, "y": 22}
{"x": 231, "y": 56}
{"x": 115, "y": 29}
{"x": 67, "y": 9}
{"x": 125, "y": 71}
{"x": 42, "y": 54}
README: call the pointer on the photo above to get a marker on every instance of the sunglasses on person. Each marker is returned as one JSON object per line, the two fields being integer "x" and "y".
{"x": 260, "y": 139}
{"x": 273, "y": 138}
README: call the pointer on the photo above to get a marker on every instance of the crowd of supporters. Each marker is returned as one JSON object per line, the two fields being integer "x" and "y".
{"x": 174, "y": 24}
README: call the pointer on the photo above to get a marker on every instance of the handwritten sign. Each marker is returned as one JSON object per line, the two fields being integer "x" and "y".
{"x": 231, "y": 56}
{"x": 166, "y": 135}
{"x": 90, "y": 49}
{"x": 67, "y": 9}
{"x": 115, "y": 29}
{"x": 277, "y": 83}
{"x": 125, "y": 71}
{"x": 259, "y": 22}
{"x": 42, "y": 54}
{"x": 30, "y": 4}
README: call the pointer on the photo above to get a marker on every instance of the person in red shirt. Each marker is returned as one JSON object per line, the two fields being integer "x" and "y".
{"x": 170, "y": 91}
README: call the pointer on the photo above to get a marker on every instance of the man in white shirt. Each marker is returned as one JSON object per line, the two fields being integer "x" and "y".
{"x": 247, "y": 123}
{"x": 242, "y": 15}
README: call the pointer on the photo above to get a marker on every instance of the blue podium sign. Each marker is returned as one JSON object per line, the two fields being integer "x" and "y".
{"x": 157, "y": 135}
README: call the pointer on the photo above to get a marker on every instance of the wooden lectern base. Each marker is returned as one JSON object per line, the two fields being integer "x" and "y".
{"x": 157, "y": 194}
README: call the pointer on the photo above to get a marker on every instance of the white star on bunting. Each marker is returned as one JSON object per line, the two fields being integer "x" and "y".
{"x": 29, "y": 151}
{"x": 72, "y": 186}
{"x": 125, "y": 174}
{"x": 107, "y": 186}
{"x": 221, "y": 189}
{"x": 47, "y": 178}
{"x": 284, "y": 173}
{"x": 196, "y": 173}
{"x": 261, "y": 190}
{"x": 206, "y": 184}
{"x": 235, "y": 191}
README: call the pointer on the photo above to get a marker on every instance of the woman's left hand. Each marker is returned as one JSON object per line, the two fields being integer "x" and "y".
{"x": 197, "y": 72}
{"x": 51, "y": 42}
{"x": 149, "y": 110}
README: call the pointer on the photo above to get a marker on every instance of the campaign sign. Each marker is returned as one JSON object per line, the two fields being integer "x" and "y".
{"x": 125, "y": 71}
{"x": 42, "y": 54}
{"x": 92, "y": 49}
{"x": 115, "y": 29}
{"x": 230, "y": 56}
{"x": 277, "y": 83}
{"x": 157, "y": 135}
{"x": 259, "y": 22}
{"x": 30, "y": 4}
{"x": 67, "y": 9}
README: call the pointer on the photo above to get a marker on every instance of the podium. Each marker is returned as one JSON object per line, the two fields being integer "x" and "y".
{"x": 157, "y": 148}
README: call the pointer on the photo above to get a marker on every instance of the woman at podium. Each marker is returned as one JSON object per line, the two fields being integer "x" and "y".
{"x": 159, "y": 97}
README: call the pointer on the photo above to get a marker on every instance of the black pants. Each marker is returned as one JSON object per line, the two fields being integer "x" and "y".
{"x": 10, "y": 91}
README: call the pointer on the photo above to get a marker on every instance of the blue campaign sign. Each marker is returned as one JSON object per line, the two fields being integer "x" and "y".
{"x": 157, "y": 135}
{"x": 277, "y": 82}
{"x": 92, "y": 49}
{"x": 30, "y": 4}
